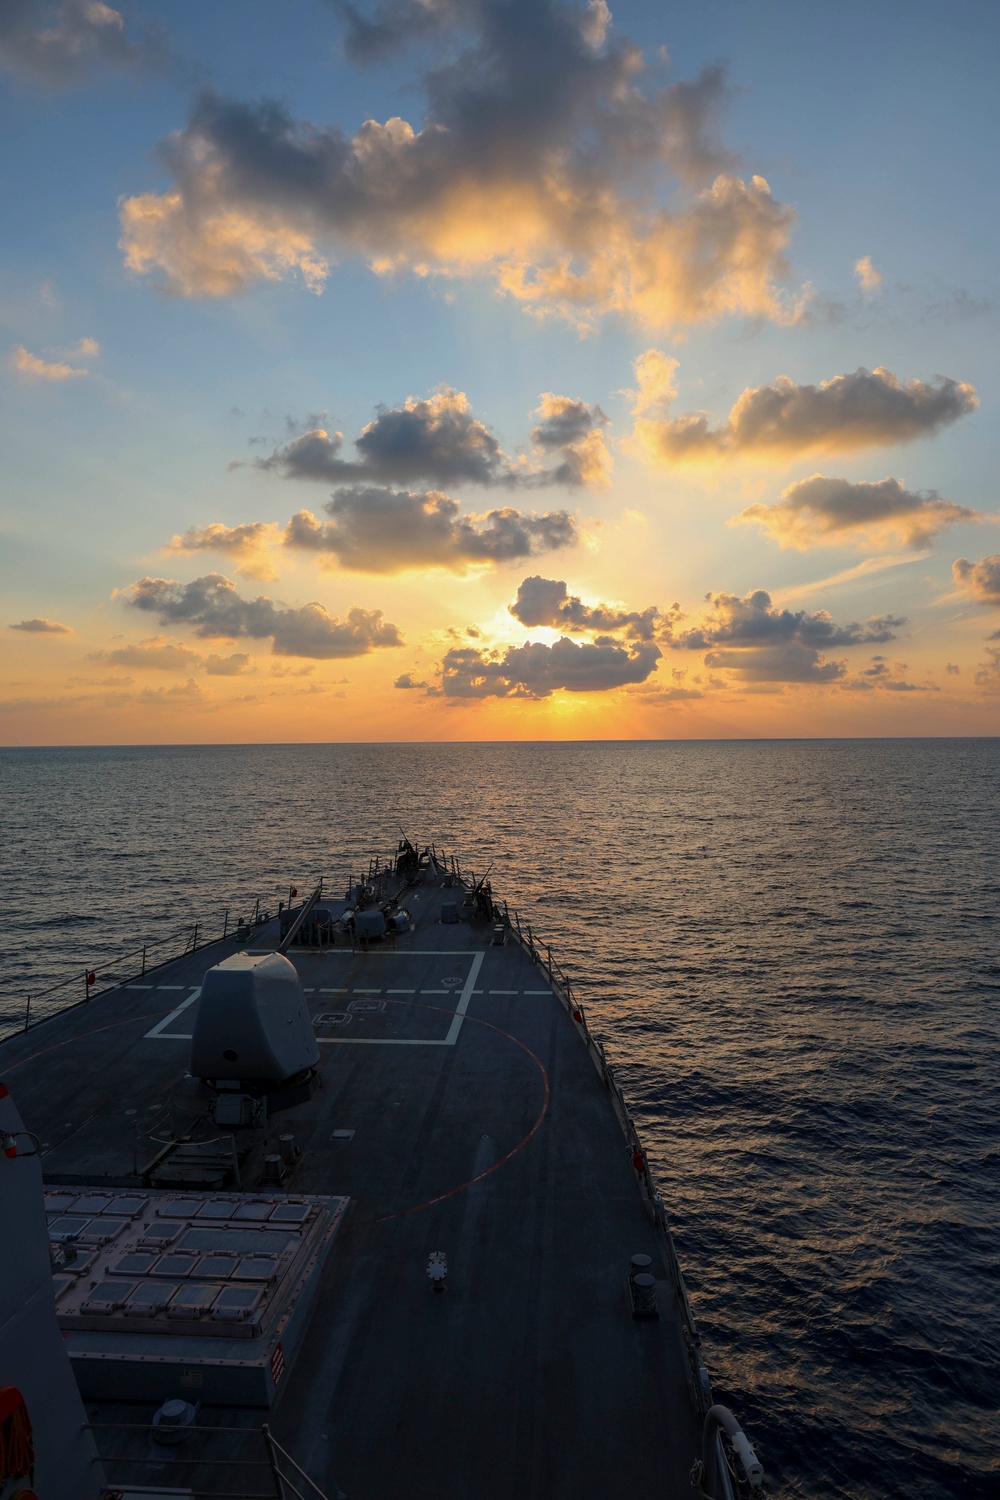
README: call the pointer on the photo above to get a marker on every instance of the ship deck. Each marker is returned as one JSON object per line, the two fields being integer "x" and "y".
{"x": 460, "y": 1111}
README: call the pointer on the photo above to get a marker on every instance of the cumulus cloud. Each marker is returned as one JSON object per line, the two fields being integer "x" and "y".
{"x": 875, "y": 513}
{"x": 214, "y": 608}
{"x": 869, "y": 277}
{"x": 980, "y": 580}
{"x": 30, "y": 367}
{"x": 546, "y": 158}
{"x": 887, "y": 677}
{"x": 40, "y": 626}
{"x": 407, "y": 680}
{"x": 235, "y": 665}
{"x": 762, "y": 643}
{"x": 547, "y": 601}
{"x": 62, "y": 42}
{"x": 536, "y": 671}
{"x": 573, "y": 428}
{"x": 438, "y": 440}
{"x": 378, "y": 530}
{"x": 248, "y": 545}
{"x": 869, "y": 408}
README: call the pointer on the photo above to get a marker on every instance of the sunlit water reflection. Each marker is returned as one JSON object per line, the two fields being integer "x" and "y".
{"x": 791, "y": 949}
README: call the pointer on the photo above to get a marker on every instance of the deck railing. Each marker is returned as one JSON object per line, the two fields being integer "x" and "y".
{"x": 541, "y": 954}
{"x": 258, "y": 1460}
{"x": 113, "y": 970}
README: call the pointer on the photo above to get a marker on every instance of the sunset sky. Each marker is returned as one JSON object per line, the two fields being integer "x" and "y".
{"x": 498, "y": 369}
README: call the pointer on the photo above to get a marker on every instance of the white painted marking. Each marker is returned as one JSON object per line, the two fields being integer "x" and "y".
{"x": 401, "y": 992}
{"x": 172, "y": 986}
{"x": 373, "y": 953}
{"x": 382, "y": 1041}
{"x": 411, "y": 1041}
{"x": 334, "y": 992}
{"x": 140, "y": 986}
{"x": 504, "y": 992}
{"x": 311, "y": 991}
{"x": 367, "y": 992}
{"x": 463, "y": 1001}
{"x": 159, "y": 1030}
{"x": 538, "y": 992}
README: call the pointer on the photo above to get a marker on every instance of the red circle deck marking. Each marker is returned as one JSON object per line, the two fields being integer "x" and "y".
{"x": 401, "y": 1213}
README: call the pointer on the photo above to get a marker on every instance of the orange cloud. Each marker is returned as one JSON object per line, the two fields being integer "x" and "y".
{"x": 822, "y": 510}
{"x": 545, "y": 162}
{"x": 30, "y": 367}
{"x": 248, "y": 545}
{"x": 784, "y": 420}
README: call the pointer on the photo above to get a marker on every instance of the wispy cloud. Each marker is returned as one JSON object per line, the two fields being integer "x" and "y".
{"x": 31, "y": 367}
{"x": 60, "y": 43}
{"x": 40, "y": 626}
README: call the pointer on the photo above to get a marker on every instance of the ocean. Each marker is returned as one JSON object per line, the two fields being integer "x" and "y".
{"x": 792, "y": 952}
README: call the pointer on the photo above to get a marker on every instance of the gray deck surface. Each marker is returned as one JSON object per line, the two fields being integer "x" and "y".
{"x": 527, "y": 1377}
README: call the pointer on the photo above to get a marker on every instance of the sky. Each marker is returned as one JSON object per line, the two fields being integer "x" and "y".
{"x": 498, "y": 369}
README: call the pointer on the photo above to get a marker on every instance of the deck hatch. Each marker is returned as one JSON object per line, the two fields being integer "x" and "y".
{"x": 139, "y": 1263}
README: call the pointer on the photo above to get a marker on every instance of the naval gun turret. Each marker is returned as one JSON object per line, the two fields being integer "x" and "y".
{"x": 253, "y": 1026}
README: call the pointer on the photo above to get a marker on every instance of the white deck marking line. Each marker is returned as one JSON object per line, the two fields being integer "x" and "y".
{"x": 139, "y": 986}
{"x": 171, "y": 986}
{"x": 382, "y": 1041}
{"x": 368, "y": 992}
{"x": 538, "y": 992}
{"x": 159, "y": 1031}
{"x": 463, "y": 1003}
{"x": 413, "y": 1041}
{"x": 333, "y": 992}
{"x": 401, "y": 992}
{"x": 373, "y": 953}
{"x": 505, "y": 992}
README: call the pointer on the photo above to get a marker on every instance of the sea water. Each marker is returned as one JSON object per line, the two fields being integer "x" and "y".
{"x": 792, "y": 951}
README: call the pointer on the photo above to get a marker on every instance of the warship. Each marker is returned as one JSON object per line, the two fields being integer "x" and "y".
{"x": 346, "y": 1203}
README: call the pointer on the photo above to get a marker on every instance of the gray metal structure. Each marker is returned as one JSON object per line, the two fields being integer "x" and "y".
{"x": 492, "y": 1306}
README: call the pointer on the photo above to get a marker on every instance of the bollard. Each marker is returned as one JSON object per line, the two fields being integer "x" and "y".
{"x": 289, "y": 1150}
{"x": 644, "y": 1296}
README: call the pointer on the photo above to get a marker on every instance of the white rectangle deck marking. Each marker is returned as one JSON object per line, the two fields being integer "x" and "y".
{"x": 139, "y": 986}
{"x": 159, "y": 1030}
{"x": 538, "y": 992}
{"x": 413, "y": 1041}
{"x": 172, "y": 986}
{"x": 401, "y": 992}
{"x": 504, "y": 992}
{"x": 367, "y": 992}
